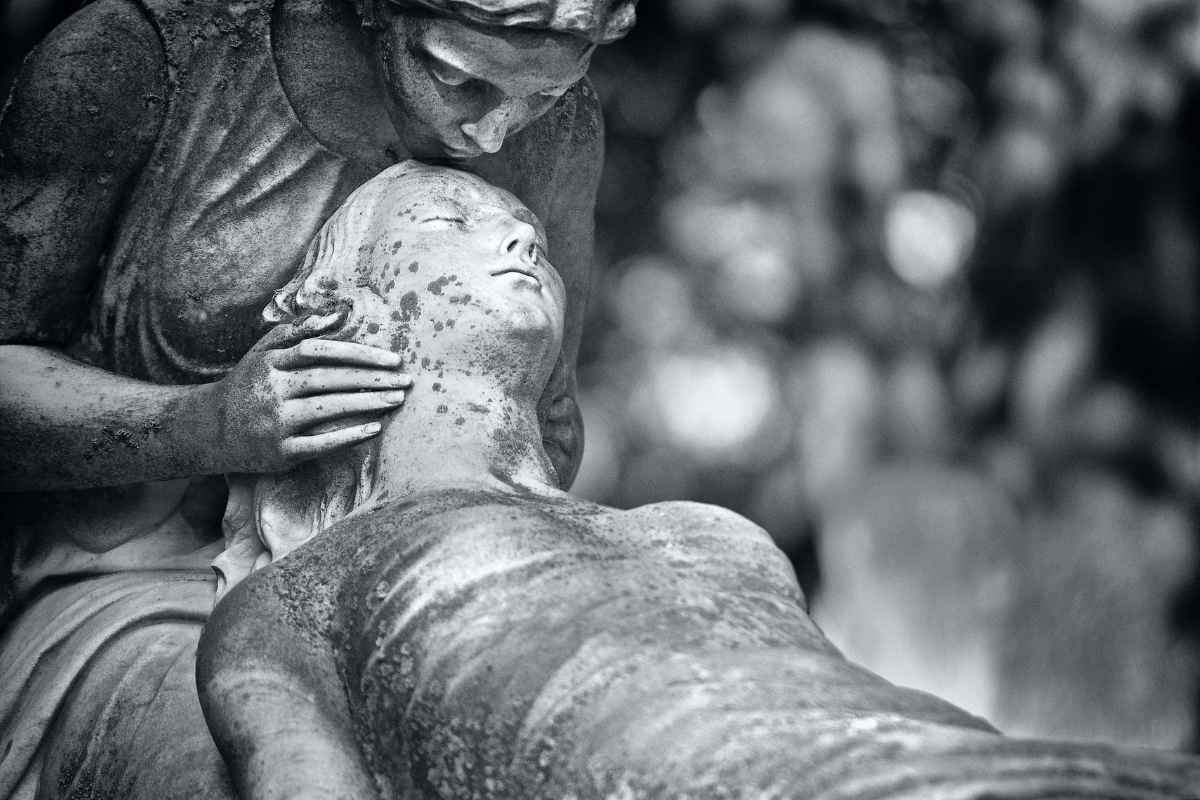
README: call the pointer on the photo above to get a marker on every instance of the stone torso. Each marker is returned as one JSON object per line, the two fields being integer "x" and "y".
{"x": 217, "y": 220}
{"x": 222, "y": 212}
{"x": 234, "y": 190}
{"x": 479, "y": 644}
{"x": 428, "y": 605}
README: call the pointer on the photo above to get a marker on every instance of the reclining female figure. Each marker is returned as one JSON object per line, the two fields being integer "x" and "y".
{"x": 462, "y": 628}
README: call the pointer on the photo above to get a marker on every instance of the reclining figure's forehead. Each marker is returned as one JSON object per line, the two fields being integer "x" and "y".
{"x": 414, "y": 185}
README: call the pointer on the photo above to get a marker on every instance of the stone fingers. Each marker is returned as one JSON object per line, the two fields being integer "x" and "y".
{"x": 323, "y": 380}
{"x": 305, "y": 412}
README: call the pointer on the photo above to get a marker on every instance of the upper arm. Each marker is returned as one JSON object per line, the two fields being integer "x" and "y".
{"x": 80, "y": 122}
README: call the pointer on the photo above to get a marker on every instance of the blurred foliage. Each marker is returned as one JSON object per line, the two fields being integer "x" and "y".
{"x": 852, "y": 231}
{"x": 954, "y": 235}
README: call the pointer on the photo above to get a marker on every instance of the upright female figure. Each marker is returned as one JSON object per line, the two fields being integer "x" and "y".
{"x": 163, "y": 165}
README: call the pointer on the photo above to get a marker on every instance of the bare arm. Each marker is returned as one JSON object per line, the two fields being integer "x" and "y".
{"x": 275, "y": 703}
{"x": 81, "y": 123}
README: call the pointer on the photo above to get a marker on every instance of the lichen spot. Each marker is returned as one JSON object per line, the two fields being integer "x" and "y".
{"x": 410, "y": 307}
{"x": 414, "y": 266}
{"x": 397, "y": 246}
{"x": 435, "y": 287}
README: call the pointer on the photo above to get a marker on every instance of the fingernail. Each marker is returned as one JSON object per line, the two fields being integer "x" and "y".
{"x": 393, "y": 397}
{"x": 405, "y": 378}
{"x": 372, "y": 427}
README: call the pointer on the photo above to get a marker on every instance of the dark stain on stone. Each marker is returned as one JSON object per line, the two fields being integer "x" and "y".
{"x": 436, "y": 287}
{"x": 414, "y": 266}
{"x": 410, "y": 307}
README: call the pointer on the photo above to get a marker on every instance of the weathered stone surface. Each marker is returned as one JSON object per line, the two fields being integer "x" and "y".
{"x": 470, "y": 631}
{"x": 163, "y": 166}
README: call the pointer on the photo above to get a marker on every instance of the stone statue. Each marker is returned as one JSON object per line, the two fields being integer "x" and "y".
{"x": 463, "y": 628}
{"x": 163, "y": 166}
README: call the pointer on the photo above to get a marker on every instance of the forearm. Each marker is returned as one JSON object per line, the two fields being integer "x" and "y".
{"x": 67, "y": 425}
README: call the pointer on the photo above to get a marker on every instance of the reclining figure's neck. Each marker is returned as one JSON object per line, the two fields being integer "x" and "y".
{"x": 457, "y": 429}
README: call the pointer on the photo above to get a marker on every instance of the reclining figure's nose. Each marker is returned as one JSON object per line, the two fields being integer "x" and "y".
{"x": 520, "y": 239}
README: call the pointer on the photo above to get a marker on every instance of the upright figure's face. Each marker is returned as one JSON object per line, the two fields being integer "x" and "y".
{"x": 458, "y": 90}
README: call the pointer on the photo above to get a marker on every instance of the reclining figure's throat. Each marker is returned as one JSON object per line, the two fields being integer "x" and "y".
{"x": 457, "y": 429}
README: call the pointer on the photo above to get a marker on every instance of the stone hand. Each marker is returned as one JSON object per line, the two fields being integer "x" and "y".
{"x": 293, "y": 397}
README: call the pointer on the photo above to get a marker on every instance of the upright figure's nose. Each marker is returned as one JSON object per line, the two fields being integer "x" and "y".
{"x": 489, "y": 130}
{"x": 520, "y": 239}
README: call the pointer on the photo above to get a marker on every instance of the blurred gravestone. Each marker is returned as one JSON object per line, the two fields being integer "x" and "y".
{"x": 1058, "y": 628}
{"x": 916, "y": 580}
{"x": 1090, "y": 652}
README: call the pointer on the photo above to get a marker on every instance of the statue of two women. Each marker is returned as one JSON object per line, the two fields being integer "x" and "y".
{"x": 163, "y": 166}
{"x": 448, "y": 622}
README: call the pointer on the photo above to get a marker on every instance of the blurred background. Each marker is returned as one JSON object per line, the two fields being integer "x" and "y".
{"x": 915, "y": 285}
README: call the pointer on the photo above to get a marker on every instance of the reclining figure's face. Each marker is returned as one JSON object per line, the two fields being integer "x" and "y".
{"x": 454, "y": 270}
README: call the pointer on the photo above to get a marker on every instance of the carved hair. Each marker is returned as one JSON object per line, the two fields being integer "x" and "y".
{"x": 596, "y": 21}
{"x": 334, "y": 275}
{"x": 270, "y": 515}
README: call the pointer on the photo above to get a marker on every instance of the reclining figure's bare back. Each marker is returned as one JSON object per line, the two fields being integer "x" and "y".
{"x": 499, "y": 645}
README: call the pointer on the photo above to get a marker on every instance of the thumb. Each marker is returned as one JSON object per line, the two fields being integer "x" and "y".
{"x": 291, "y": 333}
